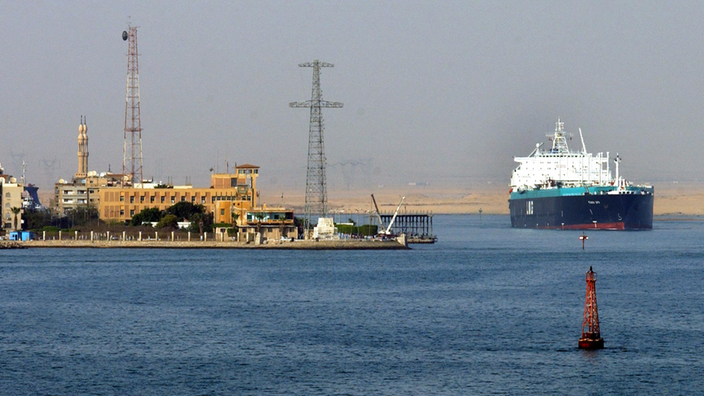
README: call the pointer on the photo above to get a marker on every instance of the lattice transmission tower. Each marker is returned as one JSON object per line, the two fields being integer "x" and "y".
{"x": 132, "y": 150}
{"x": 316, "y": 185}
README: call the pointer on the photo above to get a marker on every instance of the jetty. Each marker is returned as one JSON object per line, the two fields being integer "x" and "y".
{"x": 418, "y": 226}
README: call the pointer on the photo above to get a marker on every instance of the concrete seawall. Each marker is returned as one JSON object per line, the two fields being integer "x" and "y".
{"x": 153, "y": 244}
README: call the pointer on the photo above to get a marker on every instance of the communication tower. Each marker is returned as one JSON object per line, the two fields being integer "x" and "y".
{"x": 316, "y": 185}
{"x": 132, "y": 150}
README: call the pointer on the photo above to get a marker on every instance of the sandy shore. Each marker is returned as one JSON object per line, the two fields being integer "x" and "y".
{"x": 296, "y": 245}
{"x": 670, "y": 199}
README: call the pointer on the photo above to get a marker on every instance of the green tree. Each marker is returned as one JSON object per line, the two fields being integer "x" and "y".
{"x": 368, "y": 229}
{"x": 185, "y": 210}
{"x": 259, "y": 216}
{"x": 36, "y": 219}
{"x": 82, "y": 215}
{"x": 201, "y": 222}
{"x": 147, "y": 215}
{"x": 347, "y": 229}
{"x": 15, "y": 211}
{"x": 169, "y": 221}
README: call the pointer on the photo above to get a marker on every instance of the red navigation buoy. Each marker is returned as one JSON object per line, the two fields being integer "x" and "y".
{"x": 591, "y": 337}
{"x": 583, "y": 238}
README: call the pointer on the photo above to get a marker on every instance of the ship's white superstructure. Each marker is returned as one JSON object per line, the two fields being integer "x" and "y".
{"x": 560, "y": 167}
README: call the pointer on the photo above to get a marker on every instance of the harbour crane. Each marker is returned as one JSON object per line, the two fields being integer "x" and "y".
{"x": 387, "y": 231}
{"x": 378, "y": 215}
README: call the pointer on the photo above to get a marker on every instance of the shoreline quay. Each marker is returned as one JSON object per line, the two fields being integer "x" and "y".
{"x": 153, "y": 244}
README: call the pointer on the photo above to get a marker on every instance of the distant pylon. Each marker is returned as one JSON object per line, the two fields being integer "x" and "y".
{"x": 591, "y": 336}
{"x": 132, "y": 150}
{"x": 316, "y": 184}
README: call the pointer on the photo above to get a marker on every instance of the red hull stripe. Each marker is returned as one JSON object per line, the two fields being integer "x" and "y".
{"x": 598, "y": 226}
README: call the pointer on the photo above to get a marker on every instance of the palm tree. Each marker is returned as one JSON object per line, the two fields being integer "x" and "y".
{"x": 15, "y": 211}
{"x": 259, "y": 216}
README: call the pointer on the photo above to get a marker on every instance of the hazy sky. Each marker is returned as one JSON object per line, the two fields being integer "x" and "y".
{"x": 441, "y": 92}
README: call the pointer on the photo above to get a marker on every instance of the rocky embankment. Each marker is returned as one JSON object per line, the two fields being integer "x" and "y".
{"x": 12, "y": 245}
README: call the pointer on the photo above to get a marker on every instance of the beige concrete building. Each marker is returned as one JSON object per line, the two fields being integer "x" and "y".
{"x": 10, "y": 197}
{"x": 231, "y": 197}
{"x": 228, "y": 197}
{"x": 69, "y": 195}
{"x": 271, "y": 223}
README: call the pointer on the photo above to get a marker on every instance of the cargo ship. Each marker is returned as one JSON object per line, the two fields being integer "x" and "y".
{"x": 575, "y": 190}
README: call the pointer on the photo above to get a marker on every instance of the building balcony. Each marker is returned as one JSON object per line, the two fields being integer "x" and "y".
{"x": 270, "y": 222}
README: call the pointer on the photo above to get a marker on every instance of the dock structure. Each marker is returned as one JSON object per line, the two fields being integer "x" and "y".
{"x": 418, "y": 226}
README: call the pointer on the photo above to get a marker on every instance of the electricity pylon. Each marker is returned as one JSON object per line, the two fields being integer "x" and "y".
{"x": 316, "y": 185}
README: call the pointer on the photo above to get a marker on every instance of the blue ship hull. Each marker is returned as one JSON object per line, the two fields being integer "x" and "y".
{"x": 582, "y": 208}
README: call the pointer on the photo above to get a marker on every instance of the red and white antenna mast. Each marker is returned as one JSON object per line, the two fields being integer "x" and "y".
{"x": 132, "y": 150}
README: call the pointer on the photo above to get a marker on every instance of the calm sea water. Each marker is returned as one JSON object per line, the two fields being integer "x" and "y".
{"x": 487, "y": 310}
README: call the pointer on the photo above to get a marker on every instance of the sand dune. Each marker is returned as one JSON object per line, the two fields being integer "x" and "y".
{"x": 671, "y": 199}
